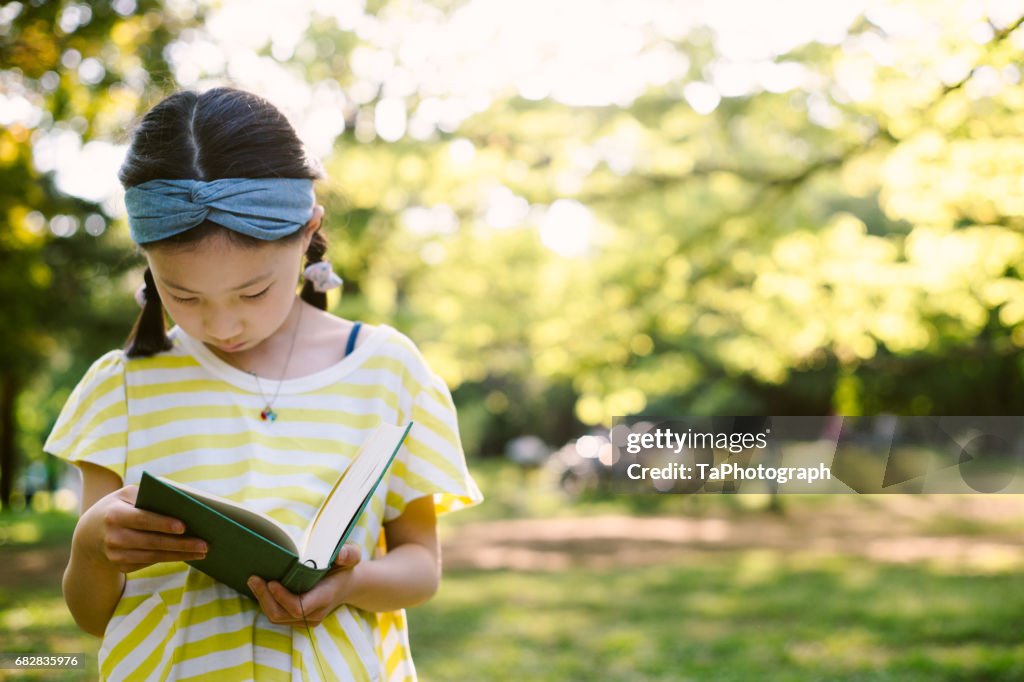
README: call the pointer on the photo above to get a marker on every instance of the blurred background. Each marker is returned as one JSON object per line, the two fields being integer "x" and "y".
{"x": 580, "y": 210}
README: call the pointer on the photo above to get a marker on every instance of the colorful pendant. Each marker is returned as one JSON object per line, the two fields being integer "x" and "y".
{"x": 267, "y": 414}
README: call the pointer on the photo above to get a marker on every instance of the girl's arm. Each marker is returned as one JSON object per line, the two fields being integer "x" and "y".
{"x": 407, "y": 575}
{"x": 112, "y": 538}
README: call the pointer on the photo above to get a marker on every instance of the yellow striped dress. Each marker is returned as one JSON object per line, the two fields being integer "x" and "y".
{"x": 189, "y": 416}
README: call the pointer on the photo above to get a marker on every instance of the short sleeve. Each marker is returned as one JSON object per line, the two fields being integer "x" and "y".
{"x": 93, "y": 424}
{"x": 431, "y": 461}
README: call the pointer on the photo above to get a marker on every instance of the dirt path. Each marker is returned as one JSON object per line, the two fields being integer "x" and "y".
{"x": 33, "y": 567}
{"x": 976, "y": 533}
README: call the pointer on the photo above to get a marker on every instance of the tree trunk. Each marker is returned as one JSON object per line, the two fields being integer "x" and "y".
{"x": 8, "y": 453}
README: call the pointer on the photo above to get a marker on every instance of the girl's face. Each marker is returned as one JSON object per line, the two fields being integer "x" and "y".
{"x": 230, "y": 297}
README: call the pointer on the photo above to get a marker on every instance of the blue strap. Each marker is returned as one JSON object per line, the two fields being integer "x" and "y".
{"x": 352, "y": 338}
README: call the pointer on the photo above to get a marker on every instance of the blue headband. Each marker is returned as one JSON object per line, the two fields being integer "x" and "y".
{"x": 265, "y": 208}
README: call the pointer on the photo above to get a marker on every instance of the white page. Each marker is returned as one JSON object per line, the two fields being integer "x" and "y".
{"x": 344, "y": 501}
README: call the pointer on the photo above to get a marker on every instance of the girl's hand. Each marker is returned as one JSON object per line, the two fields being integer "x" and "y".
{"x": 114, "y": 532}
{"x": 282, "y": 607}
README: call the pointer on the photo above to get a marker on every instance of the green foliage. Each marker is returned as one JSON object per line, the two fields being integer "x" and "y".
{"x": 85, "y": 71}
{"x": 845, "y": 240}
{"x": 862, "y": 226}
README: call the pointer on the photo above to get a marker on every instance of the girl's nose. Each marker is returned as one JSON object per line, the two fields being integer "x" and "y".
{"x": 222, "y": 327}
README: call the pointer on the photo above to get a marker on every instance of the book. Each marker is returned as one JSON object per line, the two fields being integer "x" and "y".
{"x": 242, "y": 542}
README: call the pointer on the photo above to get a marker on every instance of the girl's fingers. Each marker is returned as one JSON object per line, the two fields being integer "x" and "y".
{"x": 135, "y": 540}
{"x": 130, "y": 550}
{"x": 159, "y": 555}
{"x": 289, "y": 602}
{"x": 312, "y": 606}
{"x": 129, "y": 494}
{"x": 282, "y": 607}
{"x": 271, "y": 608}
{"x": 127, "y": 516}
{"x": 140, "y": 519}
{"x": 132, "y": 561}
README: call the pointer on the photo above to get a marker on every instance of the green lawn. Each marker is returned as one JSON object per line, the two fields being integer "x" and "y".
{"x": 752, "y": 615}
{"x": 727, "y": 613}
{"x": 33, "y": 617}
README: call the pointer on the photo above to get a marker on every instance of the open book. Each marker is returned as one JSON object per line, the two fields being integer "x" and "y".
{"x": 243, "y": 543}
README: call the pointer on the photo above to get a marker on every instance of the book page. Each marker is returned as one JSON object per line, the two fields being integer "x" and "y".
{"x": 254, "y": 521}
{"x": 345, "y": 501}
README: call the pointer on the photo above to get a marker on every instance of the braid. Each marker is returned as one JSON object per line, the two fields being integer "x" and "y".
{"x": 315, "y": 254}
{"x": 149, "y": 336}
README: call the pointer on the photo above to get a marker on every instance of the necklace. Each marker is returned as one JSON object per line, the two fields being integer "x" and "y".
{"x": 268, "y": 414}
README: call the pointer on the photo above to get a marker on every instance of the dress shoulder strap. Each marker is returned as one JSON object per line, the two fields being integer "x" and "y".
{"x": 352, "y": 338}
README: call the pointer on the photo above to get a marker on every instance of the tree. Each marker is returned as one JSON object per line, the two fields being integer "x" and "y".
{"x": 73, "y": 73}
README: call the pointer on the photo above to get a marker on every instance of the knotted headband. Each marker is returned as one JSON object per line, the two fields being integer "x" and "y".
{"x": 264, "y": 208}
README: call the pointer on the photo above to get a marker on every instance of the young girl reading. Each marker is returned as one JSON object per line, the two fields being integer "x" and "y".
{"x": 256, "y": 395}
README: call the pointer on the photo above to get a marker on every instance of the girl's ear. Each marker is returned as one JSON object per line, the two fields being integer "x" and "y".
{"x": 317, "y": 217}
{"x": 312, "y": 226}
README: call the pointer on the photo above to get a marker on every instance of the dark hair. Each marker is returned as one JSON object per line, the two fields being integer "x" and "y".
{"x": 220, "y": 133}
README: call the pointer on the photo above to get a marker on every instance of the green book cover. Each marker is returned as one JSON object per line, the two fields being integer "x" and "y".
{"x": 243, "y": 543}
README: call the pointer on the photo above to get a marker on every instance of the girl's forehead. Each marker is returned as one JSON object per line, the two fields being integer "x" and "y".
{"x": 219, "y": 245}
{"x": 217, "y": 263}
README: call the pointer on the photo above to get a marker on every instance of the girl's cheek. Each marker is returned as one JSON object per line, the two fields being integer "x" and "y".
{"x": 185, "y": 319}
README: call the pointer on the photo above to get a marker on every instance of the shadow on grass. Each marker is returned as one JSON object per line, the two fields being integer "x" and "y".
{"x": 36, "y": 620}
{"x": 736, "y": 616}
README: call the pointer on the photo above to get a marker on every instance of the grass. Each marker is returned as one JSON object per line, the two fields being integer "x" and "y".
{"x": 33, "y": 529}
{"x": 33, "y": 617}
{"x": 740, "y": 616}
{"x": 736, "y": 616}
{"x": 726, "y": 614}
{"x": 717, "y": 615}
{"x": 37, "y": 621}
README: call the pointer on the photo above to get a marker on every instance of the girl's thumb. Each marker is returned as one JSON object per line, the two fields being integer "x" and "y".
{"x": 348, "y": 556}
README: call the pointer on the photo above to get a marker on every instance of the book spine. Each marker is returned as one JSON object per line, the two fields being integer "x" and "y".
{"x": 302, "y": 578}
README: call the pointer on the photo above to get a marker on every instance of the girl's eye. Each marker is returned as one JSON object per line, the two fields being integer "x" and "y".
{"x": 183, "y": 300}
{"x": 255, "y": 296}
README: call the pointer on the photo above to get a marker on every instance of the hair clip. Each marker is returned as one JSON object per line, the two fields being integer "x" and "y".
{"x": 140, "y": 295}
{"x": 322, "y": 276}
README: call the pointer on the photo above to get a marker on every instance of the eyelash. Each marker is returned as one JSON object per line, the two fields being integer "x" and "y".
{"x": 255, "y": 296}
{"x": 248, "y": 298}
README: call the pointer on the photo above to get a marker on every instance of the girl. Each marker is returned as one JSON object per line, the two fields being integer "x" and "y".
{"x": 257, "y": 395}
